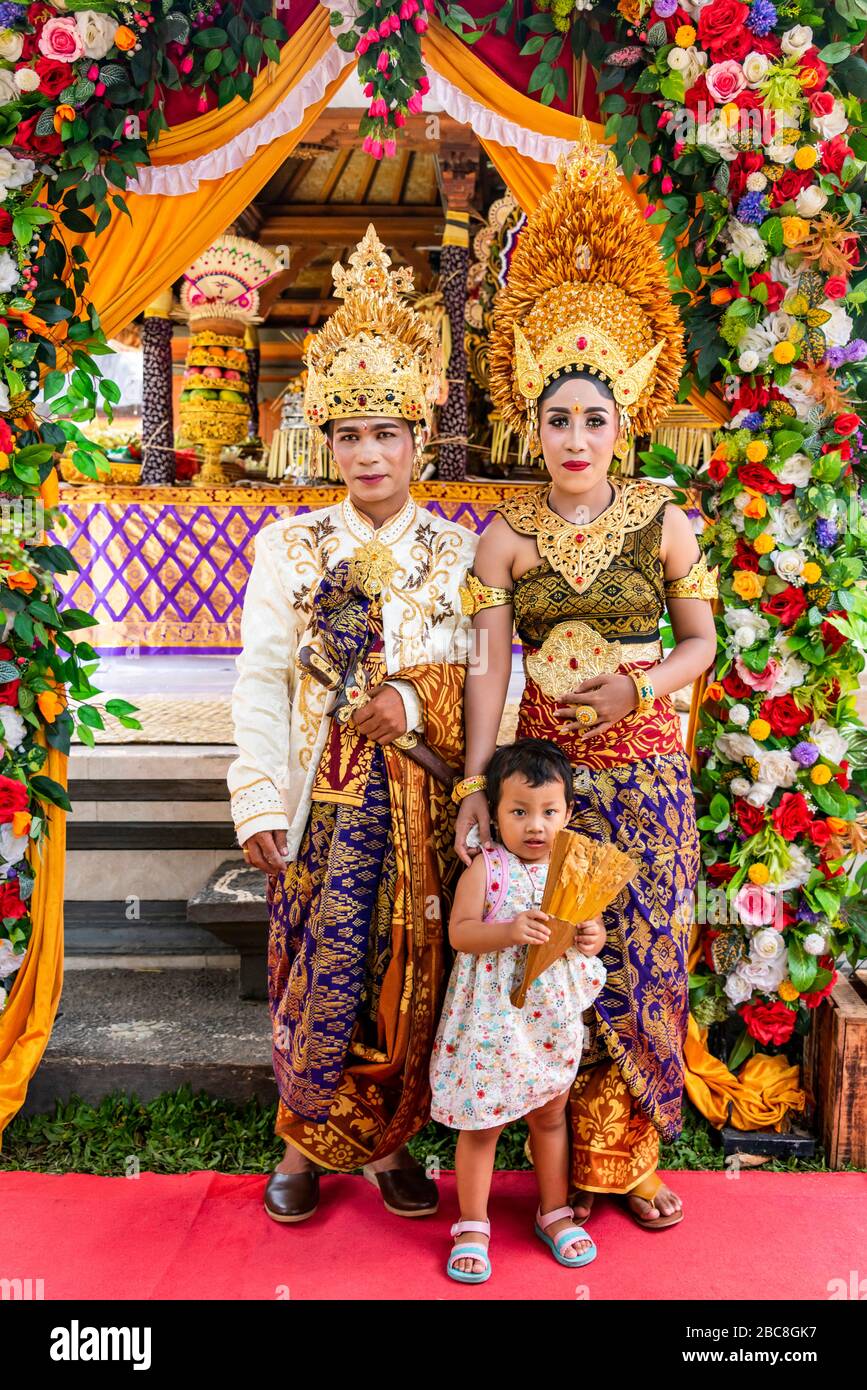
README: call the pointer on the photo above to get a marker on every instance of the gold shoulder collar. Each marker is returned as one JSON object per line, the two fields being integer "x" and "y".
{"x": 580, "y": 553}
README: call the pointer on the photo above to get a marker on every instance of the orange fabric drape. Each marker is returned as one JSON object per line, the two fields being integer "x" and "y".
{"x": 25, "y": 1024}
{"x": 131, "y": 264}
{"x": 762, "y": 1094}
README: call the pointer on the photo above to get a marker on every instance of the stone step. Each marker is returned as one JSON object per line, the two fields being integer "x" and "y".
{"x": 144, "y": 1032}
{"x": 101, "y": 935}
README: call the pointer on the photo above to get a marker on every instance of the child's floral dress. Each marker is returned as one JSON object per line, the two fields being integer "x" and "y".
{"x": 493, "y": 1063}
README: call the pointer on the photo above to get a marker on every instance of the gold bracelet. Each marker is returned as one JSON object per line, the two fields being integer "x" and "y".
{"x": 467, "y": 786}
{"x": 646, "y": 694}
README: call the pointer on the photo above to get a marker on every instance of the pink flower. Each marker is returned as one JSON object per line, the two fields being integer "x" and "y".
{"x": 414, "y": 103}
{"x": 764, "y": 680}
{"x": 667, "y": 185}
{"x": 419, "y": 23}
{"x": 385, "y": 28}
{"x": 372, "y": 36}
{"x": 378, "y": 107}
{"x": 424, "y": 84}
{"x": 376, "y": 149}
{"x": 187, "y": 63}
{"x": 725, "y": 81}
{"x": 390, "y": 147}
{"x": 655, "y": 164}
{"x": 368, "y": 89}
{"x": 408, "y": 9}
{"x": 650, "y": 210}
{"x": 383, "y": 61}
{"x": 756, "y": 906}
{"x": 60, "y": 39}
{"x": 399, "y": 118}
{"x": 362, "y": 46}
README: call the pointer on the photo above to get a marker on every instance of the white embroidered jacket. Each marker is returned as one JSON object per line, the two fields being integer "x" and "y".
{"x": 280, "y": 713}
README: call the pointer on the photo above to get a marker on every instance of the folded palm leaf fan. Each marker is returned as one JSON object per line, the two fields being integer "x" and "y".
{"x": 584, "y": 876}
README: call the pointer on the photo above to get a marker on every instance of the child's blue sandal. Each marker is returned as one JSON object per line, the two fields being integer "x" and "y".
{"x": 468, "y": 1250}
{"x": 571, "y": 1235}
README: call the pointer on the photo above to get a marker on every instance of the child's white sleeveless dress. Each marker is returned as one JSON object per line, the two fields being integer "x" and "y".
{"x": 492, "y": 1063}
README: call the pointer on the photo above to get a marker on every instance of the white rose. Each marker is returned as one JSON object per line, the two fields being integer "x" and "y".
{"x": 830, "y": 743}
{"x": 754, "y": 256}
{"x": 838, "y": 329}
{"x": 797, "y": 40}
{"x": 10, "y": 960}
{"x": 26, "y": 79}
{"x": 795, "y": 874}
{"x": 12, "y": 847}
{"x": 740, "y": 786}
{"x": 764, "y": 975}
{"x": 717, "y": 135}
{"x": 810, "y": 201}
{"x": 787, "y": 524}
{"x": 14, "y": 173}
{"x": 780, "y": 154}
{"x": 749, "y": 360}
{"x": 738, "y": 989}
{"x": 767, "y": 944}
{"x": 747, "y": 627}
{"x": 4, "y": 396}
{"x": 788, "y": 565}
{"x": 97, "y": 32}
{"x": 791, "y": 675}
{"x": 13, "y": 726}
{"x": 814, "y": 944}
{"x": 835, "y": 123}
{"x": 11, "y": 45}
{"x": 740, "y": 237}
{"x": 797, "y": 469}
{"x": 755, "y": 67}
{"x": 740, "y": 715}
{"x": 760, "y": 793}
{"x": 8, "y": 90}
{"x": 787, "y": 274}
{"x": 9, "y": 273}
{"x": 778, "y": 767}
{"x": 736, "y": 747}
{"x": 678, "y": 60}
{"x": 798, "y": 391}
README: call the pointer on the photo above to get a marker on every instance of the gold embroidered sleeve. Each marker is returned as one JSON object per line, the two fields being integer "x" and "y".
{"x": 699, "y": 582}
{"x": 475, "y": 596}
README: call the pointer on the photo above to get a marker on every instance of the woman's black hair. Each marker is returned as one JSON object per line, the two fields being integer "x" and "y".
{"x": 536, "y": 759}
{"x": 575, "y": 374}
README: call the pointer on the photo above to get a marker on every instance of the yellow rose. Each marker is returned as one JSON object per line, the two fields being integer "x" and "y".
{"x": 820, "y": 775}
{"x": 4, "y": 461}
{"x": 764, "y": 544}
{"x": 747, "y": 585}
{"x": 783, "y": 353}
{"x": 685, "y": 36}
{"x": 787, "y": 991}
{"x": 758, "y": 873}
{"x": 837, "y": 824}
{"x": 757, "y": 451}
{"x": 805, "y": 157}
{"x": 759, "y": 730}
{"x": 756, "y": 508}
{"x": 795, "y": 230}
{"x": 811, "y": 573}
{"x": 20, "y": 822}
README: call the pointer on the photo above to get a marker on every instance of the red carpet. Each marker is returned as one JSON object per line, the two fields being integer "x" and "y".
{"x": 205, "y": 1235}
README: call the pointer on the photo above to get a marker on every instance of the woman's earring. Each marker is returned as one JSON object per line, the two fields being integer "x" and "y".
{"x": 623, "y": 445}
{"x": 534, "y": 443}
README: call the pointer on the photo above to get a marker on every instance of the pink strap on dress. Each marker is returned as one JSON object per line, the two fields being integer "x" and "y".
{"x": 497, "y": 869}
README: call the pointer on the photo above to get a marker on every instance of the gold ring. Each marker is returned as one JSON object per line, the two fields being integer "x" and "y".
{"x": 585, "y": 714}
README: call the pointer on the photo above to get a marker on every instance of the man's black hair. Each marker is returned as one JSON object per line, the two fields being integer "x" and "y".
{"x": 537, "y": 760}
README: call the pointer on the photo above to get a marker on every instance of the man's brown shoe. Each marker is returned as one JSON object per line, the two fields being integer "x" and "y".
{"x": 292, "y": 1196}
{"x": 405, "y": 1191}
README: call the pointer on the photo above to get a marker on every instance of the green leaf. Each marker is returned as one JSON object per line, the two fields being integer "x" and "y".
{"x": 46, "y": 789}
{"x": 213, "y": 37}
{"x": 212, "y": 60}
{"x": 802, "y": 967}
{"x": 835, "y": 52}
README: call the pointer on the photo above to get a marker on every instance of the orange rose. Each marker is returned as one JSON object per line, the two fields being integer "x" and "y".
{"x": 63, "y": 113}
{"x": 22, "y": 579}
{"x": 21, "y": 823}
{"x": 51, "y": 703}
{"x": 714, "y": 691}
{"x": 756, "y": 507}
{"x": 49, "y": 492}
{"x": 124, "y": 38}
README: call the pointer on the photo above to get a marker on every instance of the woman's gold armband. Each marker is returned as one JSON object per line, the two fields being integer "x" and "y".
{"x": 699, "y": 582}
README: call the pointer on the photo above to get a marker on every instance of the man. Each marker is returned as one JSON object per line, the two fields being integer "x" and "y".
{"x": 348, "y": 721}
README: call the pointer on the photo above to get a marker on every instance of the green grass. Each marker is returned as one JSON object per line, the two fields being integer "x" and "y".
{"x": 180, "y": 1131}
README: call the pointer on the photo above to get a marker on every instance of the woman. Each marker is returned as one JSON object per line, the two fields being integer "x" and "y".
{"x": 586, "y": 348}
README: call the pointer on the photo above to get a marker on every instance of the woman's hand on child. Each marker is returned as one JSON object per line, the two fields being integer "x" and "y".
{"x": 473, "y": 811}
{"x": 529, "y": 928}
{"x": 590, "y": 936}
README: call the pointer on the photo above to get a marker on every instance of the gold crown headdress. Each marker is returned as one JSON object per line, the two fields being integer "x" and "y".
{"x": 586, "y": 288}
{"x": 375, "y": 355}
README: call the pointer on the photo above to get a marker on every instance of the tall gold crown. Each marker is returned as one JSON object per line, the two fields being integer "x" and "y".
{"x": 375, "y": 355}
{"x": 586, "y": 288}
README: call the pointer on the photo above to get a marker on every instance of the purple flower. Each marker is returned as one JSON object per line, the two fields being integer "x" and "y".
{"x": 762, "y": 19}
{"x": 835, "y": 357}
{"x": 805, "y": 753}
{"x": 805, "y": 914}
{"x": 752, "y": 421}
{"x": 665, "y": 8}
{"x": 856, "y": 351}
{"x": 752, "y": 209}
{"x": 826, "y": 533}
{"x": 11, "y": 15}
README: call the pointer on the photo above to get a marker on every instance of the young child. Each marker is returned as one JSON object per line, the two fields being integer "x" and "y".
{"x": 493, "y": 1063}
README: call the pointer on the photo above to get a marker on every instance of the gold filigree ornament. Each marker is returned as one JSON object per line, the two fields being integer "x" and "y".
{"x": 375, "y": 355}
{"x": 371, "y": 569}
{"x": 698, "y": 582}
{"x": 475, "y": 596}
{"x": 587, "y": 289}
{"x": 571, "y": 653}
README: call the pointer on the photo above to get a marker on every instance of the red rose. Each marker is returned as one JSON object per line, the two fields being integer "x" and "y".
{"x": 788, "y": 606}
{"x": 8, "y": 691}
{"x": 698, "y": 95}
{"x": 737, "y": 688}
{"x": 789, "y": 186}
{"x": 835, "y": 287}
{"x": 13, "y": 797}
{"x": 745, "y": 558}
{"x": 769, "y": 1023}
{"x": 821, "y": 103}
{"x": 27, "y": 139}
{"x": 735, "y": 48}
{"x": 718, "y": 470}
{"x": 5, "y": 229}
{"x": 847, "y": 423}
{"x": 749, "y": 99}
{"x": 719, "y": 21}
{"x": 6, "y": 437}
{"x": 784, "y": 716}
{"x": 721, "y": 873}
{"x": 708, "y": 938}
{"x": 834, "y": 152}
{"x": 53, "y": 76}
{"x": 776, "y": 291}
{"x": 817, "y": 995}
{"x": 792, "y": 817}
{"x": 842, "y": 777}
{"x": 819, "y": 832}
{"x": 768, "y": 44}
{"x": 10, "y": 900}
{"x": 750, "y": 818}
{"x": 831, "y": 635}
{"x": 745, "y": 164}
{"x": 758, "y": 476}
{"x": 811, "y": 61}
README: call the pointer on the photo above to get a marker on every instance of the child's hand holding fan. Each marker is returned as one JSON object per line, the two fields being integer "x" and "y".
{"x": 584, "y": 876}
